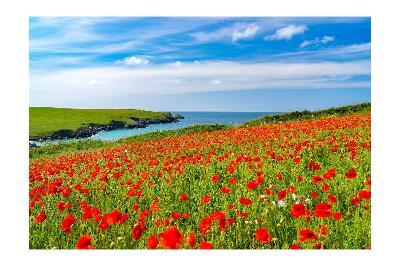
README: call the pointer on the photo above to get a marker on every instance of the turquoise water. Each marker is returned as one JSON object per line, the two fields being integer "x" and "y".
{"x": 191, "y": 118}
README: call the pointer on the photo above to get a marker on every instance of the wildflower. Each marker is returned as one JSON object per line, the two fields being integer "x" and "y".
{"x": 322, "y": 210}
{"x": 171, "y": 238}
{"x": 40, "y": 218}
{"x": 84, "y": 242}
{"x": 298, "y": 210}
{"x": 365, "y": 194}
{"x": 152, "y": 242}
{"x": 245, "y": 201}
{"x": 307, "y": 234}
{"x": 351, "y": 174}
{"x": 263, "y": 235}
{"x": 191, "y": 240}
{"x": 67, "y": 223}
{"x": 205, "y": 245}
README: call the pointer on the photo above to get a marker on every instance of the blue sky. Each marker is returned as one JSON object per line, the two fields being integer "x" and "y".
{"x": 199, "y": 63}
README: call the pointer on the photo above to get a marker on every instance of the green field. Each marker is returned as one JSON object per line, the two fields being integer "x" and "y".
{"x": 47, "y": 120}
{"x": 84, "y": 145}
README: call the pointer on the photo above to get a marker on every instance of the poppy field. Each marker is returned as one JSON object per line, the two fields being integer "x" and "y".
{"x": 293, "y": 185}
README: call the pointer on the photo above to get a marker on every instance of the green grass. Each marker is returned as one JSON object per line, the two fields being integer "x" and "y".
{"x": 84, "y": 145}
{"x": 47, "y": 120}
{"x": 305, "y": 115}
{"x": 142, "y": 174}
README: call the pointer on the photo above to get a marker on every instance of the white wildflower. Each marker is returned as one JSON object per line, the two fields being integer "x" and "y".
{"x": 281, "y": 203}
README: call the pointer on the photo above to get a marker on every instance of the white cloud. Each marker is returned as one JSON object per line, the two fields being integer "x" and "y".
{"x": 233, "y": 33}
{"x": 247, "y": 32}
{"x": 327, "y": 39}
{"x": 317, "y": 41}
{"x": 196, "y": 77}
{"x": 96, "y": 82}
{"x": 133, "y": 61}
{"x": 177, "y": 64}
{"x": 287, "y": 33}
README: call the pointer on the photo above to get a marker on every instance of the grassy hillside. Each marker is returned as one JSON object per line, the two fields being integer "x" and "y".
{"x": 47, "y": 120}
{"x": 82, "y": 145}
{"x": 305, "y": 115}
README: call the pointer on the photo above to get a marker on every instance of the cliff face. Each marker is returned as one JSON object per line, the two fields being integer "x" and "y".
{"x": 92, "y": 129}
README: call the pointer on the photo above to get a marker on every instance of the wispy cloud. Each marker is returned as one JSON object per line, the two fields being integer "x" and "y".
{"x": 342, "y": 52}
{"x": 199, "y": 77}
{"x": 286, "y": 33}
{"x": 133, "y": 61}
{"x": 317, "y": 41}
{"x": 232, "y": 33}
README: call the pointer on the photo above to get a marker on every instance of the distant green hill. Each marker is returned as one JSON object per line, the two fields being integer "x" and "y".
{"x": 304, "y": 115}
{"x": 47, "y": 120}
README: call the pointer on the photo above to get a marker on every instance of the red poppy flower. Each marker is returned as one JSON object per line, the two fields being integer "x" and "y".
{"x": 263, "y": 236}
{"x": 252, "y": 184}
{"x": 323, "y": 210}
{"x": 183, "y": 197}
{"x": 332, "y": 198}
{"x": 175, "y": 215}
{"x": 154, "y": 207}
{"x": 137, "y": 232}
{"x": 245, "y": 201}
{"x": 365, "y": 194}
{"x": 191, "y": 240}
{"x": 330, "y": 174}
{"x": 317, "y": 179}
{"x": 84, "y": 242}
{"x": 325, "y": 187}
{"x": 205, "y": 245}
{"x": 298, "y": 210}
{"x": 40, "y": 218}
{"x": 355, "y": 201}
{"x": 295, "y": 246}
{"x": 206, "y": 199}
{"x": 291, "y": 189}
{"x": 307, "y": 234}
{"x": 152, "y": 242}
{"x": 323, "y": 229}
{"x": 337, "y": 216}
{"x": 351, "y": 174}
{"x": 205, "y": 224}
{"x": 67, "y": 223}
{"x": 314, "y": 194}
{"x": 215, "y": 178}
{"x": 313, "y": 165}
{"x": 171, "y": 238}
{"x": 232, "y": 180}
{"x": 61, "y": 206}
{"x": 279, "y": 176}
{"x": 230, "y": 207}
{"x": 103, "y": 225}
{"x": 282, "y": 194}
{"x": 225, "y": 190}
{"x": 269, "y": 192}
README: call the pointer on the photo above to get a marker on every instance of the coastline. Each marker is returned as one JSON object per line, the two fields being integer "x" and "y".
{"x": 92, "y": 129}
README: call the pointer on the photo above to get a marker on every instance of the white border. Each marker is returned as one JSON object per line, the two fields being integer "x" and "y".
{"x": 14, "y": 133}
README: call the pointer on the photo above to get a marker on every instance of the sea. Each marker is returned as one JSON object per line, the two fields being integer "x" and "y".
{"x": 190, "y": 118}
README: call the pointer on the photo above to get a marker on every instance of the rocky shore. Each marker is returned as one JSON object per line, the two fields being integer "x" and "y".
{"x": 92, "y": 129}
